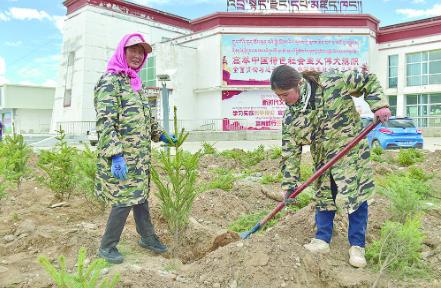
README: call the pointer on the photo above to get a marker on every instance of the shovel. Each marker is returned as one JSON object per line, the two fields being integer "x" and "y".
{"x": 349, "y": 146}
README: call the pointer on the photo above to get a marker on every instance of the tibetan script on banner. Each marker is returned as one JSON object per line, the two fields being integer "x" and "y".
{"x": 329, "y": 6}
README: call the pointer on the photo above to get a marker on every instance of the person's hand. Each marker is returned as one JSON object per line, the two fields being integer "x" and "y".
{"x": 383, "y": 114}
{"x": 164, "y": 138}
{"x": 119, "y": 167}
{"x": 288, "y": 193}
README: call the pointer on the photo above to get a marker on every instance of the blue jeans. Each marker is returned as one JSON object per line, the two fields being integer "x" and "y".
{"x": 357, "y": 225}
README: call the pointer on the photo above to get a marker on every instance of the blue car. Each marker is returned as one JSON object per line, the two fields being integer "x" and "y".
{"x": 394, "y": 134}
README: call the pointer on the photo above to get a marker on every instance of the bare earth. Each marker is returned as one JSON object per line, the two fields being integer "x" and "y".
{"x": 275, "y": 258}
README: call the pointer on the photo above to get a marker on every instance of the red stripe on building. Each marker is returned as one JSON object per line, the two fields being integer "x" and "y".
{"x": 238, "y": 19}
{"x": 410, "y": 30}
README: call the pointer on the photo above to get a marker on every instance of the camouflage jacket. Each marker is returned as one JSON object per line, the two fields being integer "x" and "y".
{"x": 328, "y": 126}
{"x": 125, "y": 126}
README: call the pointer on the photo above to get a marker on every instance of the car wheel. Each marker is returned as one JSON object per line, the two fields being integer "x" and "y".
{"x": 376, "y": 144}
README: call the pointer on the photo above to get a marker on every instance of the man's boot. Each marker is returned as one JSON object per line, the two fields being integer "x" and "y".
{"x": 153, "y": 243}
{"x": 111, "y": 255}
{"x": 317, "y": 246}
{"x": 145, "y": 228}
{"x": 114, "y": 228}
{"x": 356, "y": 257}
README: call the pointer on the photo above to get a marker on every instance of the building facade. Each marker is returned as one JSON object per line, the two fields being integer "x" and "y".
{"x": 219, "y": 65}
{"x": 25, "y": 108}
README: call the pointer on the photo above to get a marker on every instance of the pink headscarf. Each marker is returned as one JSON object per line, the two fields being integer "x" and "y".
{"x": 118, "y": 63}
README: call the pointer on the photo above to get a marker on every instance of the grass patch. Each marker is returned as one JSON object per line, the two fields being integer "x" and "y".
{"x": 269, "y": 178}
{"x": 275, "y": 153}
{"x": 224, "y": 180}
{"x": 248, "y": 221}
{"x": 245, "y": 158}
{"x": 208, "y": 148}
{"x": 376, "y": 154}
{"x": 407, "y": 157}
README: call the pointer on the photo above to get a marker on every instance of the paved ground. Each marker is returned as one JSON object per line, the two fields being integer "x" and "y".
{"x": 46, "y": 141}
{"x": 430, "y": 143}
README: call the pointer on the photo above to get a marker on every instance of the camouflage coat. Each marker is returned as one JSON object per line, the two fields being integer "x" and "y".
{"x": 125, "y": 126}
{"x": 328, "y": 123}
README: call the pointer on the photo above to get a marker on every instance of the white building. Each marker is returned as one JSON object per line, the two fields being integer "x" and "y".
{"x": 220, "y": 64}
{"x": 26, "y": 108}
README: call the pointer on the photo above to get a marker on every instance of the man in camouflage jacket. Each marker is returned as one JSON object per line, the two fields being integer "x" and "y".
{"x": 325, "y": 117}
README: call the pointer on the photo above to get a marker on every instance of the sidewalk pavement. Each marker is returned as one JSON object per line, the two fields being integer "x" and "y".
{"x": 430, "y": 143}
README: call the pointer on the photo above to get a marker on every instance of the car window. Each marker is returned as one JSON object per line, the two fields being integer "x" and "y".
{"x": 399, "y": 123}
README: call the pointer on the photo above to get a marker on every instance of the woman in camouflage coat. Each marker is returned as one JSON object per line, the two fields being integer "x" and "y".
{"x": 125, "y": 128}
{"x": 322, "y": 114}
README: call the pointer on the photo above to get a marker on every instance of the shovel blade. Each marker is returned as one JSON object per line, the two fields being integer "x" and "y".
{"x": 246, "y": 234}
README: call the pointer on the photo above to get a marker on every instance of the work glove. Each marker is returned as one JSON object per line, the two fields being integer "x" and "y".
{"x": 164, "y": 139}
{"x": 119, "y": 167}
{"x": 382, "y": 114}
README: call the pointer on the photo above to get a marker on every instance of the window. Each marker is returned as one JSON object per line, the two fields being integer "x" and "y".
{"x": 67, "y": 101}
{"x": 393, "y": 71}
{"x": 425, "y": 108}
{"x": 148, "y": 73}
{"x": 423, "y": 68}
{"x": 393, "y": 104}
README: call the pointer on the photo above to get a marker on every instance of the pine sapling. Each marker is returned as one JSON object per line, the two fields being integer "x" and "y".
{"x": 58, "y": 166}
{"x": 177, "y": 190}
{"x": 86, "y": 276}
{"x": 14, "y": 155}
{"x": 85, "y": 166}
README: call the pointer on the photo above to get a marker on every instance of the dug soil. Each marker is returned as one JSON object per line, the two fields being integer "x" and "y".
{"x": 32, "y": 226}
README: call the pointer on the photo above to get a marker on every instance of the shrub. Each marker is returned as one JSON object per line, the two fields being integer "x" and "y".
{"x": 399, "y": 249}
{"x": 407, "y": 157}
{"x": 208, "y": 148}
{"x": 405, "y": 194}
{"x": 86, "y": 276}
{"x": 268, "y": 178}
{"x": 59, "y": 168}
{"x": 276, "y": 153}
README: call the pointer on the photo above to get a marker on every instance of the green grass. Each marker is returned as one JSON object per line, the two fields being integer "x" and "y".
{"x": 245, "y": 158}
{"x": 248, "y": 221}
{"x": 208, "y": 148}
{"x": 268, "y": 178}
